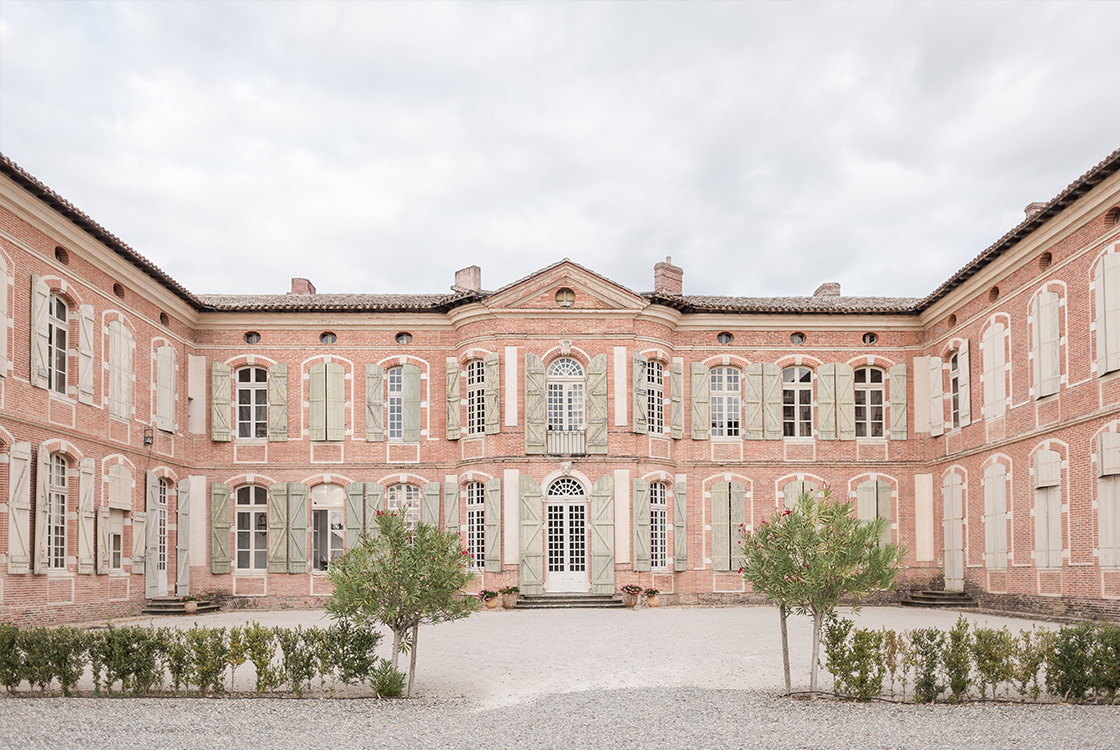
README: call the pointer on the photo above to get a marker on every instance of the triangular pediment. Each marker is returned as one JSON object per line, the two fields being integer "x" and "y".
{"x": 590, "y": 291}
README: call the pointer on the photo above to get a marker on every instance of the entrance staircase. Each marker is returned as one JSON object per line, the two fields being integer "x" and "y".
{"x": 939, "y": 598}
{"x": 170, "y": 605}
{"x": 568, "y": 601}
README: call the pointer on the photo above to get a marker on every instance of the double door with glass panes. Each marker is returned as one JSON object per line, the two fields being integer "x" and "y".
{"x": 566, "y": 553}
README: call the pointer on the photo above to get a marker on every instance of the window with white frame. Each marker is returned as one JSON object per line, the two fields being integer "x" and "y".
{"x": 724, "y": 394}
{"x": 476, "y": 397}
{"x": 163, "y": 490}
{"x": 252, "y": 528}
{"x": 252, "y": 402}
{"x": 797, "y": 402}
{"x": 395, "y": 402}
{"x": 955, "y": 390}
{"x": 58, "y": 329}
{"x": 658, "y": 519}
{"x": 655, "y": 397}
{"x": 566, "y": 381}
{"x": 404, "y": 499}
{"x": 116, "y": 540}
{"x": 869, "y": 399}
{"x": 56, "y": 512}
{"x": 476, "y": 523}
{"x": 328, "y": 525}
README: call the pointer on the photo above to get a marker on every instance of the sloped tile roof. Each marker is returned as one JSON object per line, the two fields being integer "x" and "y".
{"x": 336, "y": 302}
{"x": 822, "y": 305}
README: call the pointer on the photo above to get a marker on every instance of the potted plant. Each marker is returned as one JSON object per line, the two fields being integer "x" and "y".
{"x": 489, "y": 598}
{"x": 190, "y": 604}
{"x": 630, "y": 594}
{"x": 653, "y": 597}
{"x": 509, "y": 596}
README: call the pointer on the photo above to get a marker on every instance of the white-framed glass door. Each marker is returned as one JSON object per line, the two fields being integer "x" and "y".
{"x": 161, "y": 538}
{"x": 566, "y": 568}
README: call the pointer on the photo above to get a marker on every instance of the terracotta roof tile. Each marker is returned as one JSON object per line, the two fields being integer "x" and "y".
{"x": 340, "y": 302}
{"x": 841, "y": 305}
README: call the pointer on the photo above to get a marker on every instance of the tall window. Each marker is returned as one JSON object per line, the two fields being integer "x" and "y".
{"x": 955, "y": 390}
{"x": 797, "y": 402}
{"x": 328, "y": 526}
{"x": 476, "y": 523}
{"x": 869, "y": 392}
{"x": 565, "y": 394}
{"x": 252, "y": 402}
{"x": 56, "y": 512}
{"x": 658, "y": 539}
{"x": 252, "y": 528}
{"x": 404, "y": 499}
{"x": 395, "y": 404}
{"x": 655, "y": 398}
{"x": 725, "y": 384}
{"x": 476, "y": 397}
{"x": 162, "y": 492}
{"x": 57, "y": 330}
{"x": 116, "y": 539}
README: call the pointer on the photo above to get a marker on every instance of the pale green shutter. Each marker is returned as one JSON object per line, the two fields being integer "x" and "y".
{"x": 492, "y": 525}
{"x": 597, "y": 404}
{"x": 793, "y": 491}
{"x": 531, "y": 579}
{"x": 995, "y": 484}
{"x": 451, "y": 506}
{"x": 85, "y": 517}
{"x": 429, "y": 503}
{"x": 883, "y": 508}
{"x": 40, "y": 332}
{"x": 866, "y": 501}
{"x": 826, "y": 402}
{"x": 737, "y": 524}
{"x": 680, "y": 526}
{"x": 114, "y": 394}
{"x": 4, "y": 319}
{"x": 1041, "y": 540}
{"x": 19, "y": 508}
{"x": 772, "y": 401}
{"x": 535, "y": 424}
{"x": 701, "y": 414}
{"x": 1108, "y": 313}
{"x": 221, "y": 405}
{"x": 964, "y": 390}
{"x": 602, "y": 535}
{"x": 453, "y": 407}
{"x": 845, "y": 402}
{"x": 752, "y": 402}
{"x": 297, "y": 527}
{"x": 102, "y": 541}
{"x": 165, "y": 389}
{"x": 128, "y": 376}
{"x": 720, "y": 518}
{"x": 896, "y": 382}
{"x": 492, "y": 403}
{"x": 375, "y": 404}
{"x": 139, "y": 541}
{"x": 639, "y": 401}
{"x": 355, "y": 513}
{"x": 317, "y": 391}
{"x": 182, "y": 538}
{"x": 410, "y": 387}
{"x": 336, "y": 402}
{"x": 640, "y": 508}
{"x": 1108, "y": 454}
{"x": 278, "y": 403}
{"x": 374, "y": 494}
{"x": 278, "y": 528}
{"x": 1101, "y": 321}
{"x": 1048, "y": 355}
{"x": 936, "y": 402}
{"x": 1047, "y": 468}
{"x": 42, "y": 469}
{"x": 676, "y": 399}
{"x": 219, "y": 528}
{"x": 1107, "y": 521}
{"x": 85, "y": 353}
{"x": 151, "y": 551}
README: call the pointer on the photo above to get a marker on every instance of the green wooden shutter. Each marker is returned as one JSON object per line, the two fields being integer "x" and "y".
{"x": 221, "y": 402}
{"x": 278, "y": 528}
{"x": 597, "y": 405}
{"x": 182, "y": 538}
{"x": 491, "y": 393}
{"x": 531, "y": 580}
{"x": 151, "y": 553}
{"x": 42, "y": 469}
{"x": 103, "y": 541}
{"x": 701, "y": 414}
{"x": 219, "y": 528}
{"x": 278, "y": 403}
{"x": 317, "y": 391}
{"x": 866, "y": 501}
{"x": 737, "y": 524}
{"x": 429, "y": 504}
{"x": 336, "y": 402}
{"x": 535, "y": 415}
{"x": 355, "y": 513}
{"x": 297, "y": 527}
{"x": 826, "y": 402}
{"x": 453, "y": 407}
{"x": 964, "y": 389}
{"x": 676, "y": 399}
{"x": 602, "y": 535}
{"x": 85, "y": 517}
{"x": 752, "y": 402}
{"x": 896, "y": 380}
{"x": 40, "y": 332}
{"x": 936, "y": 402}
{"x": 640, "y": 508}
{"x": 85, "y": 353}
{"x": 375, "y": 404}
{"x": 845, "y": 402}
{"x": 883, "y": 508}
{"x": 19, "y": 508}
{"x": 410, "y": 386}
{"x": 492, "y": 525}
{"x": 772, "y": 401}
{"x": 451, "y": 507}
{"x": 139, "y": 541}
{"x": 680, "y": 526}
{"x": 639, "y": 394}
{"x": 375, "y": 492}
{"x": 721, "y": 517}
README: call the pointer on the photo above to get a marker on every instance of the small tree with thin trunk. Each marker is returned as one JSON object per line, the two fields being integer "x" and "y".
{"x": 401, "y": 578}
{"x": 813, "y": 555}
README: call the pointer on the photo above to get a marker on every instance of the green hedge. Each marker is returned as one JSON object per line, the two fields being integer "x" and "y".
{"x": 135, "y": 660}
{"x": 1075, "y": 664}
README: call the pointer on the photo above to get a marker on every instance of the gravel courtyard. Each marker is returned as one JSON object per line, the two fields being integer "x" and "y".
{"x": 571, "y": 678}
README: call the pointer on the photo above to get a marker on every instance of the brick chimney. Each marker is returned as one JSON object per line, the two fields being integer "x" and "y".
{"x": 468, "y": 279}
{"x": 828, "y": 289}
{"x": 302, "y": 286}
{"x": 667, "y": 278}
{"x": 1033, "y": 208}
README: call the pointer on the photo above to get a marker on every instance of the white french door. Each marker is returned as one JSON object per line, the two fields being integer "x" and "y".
{"x": 161, "y": 560}
{"x": 566, "y": 561}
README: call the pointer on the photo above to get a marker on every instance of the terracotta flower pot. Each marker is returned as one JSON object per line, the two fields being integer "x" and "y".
{"x": 509, "y": 601}
{"x": 629, "y": 600}
{"x": 653, "y": 601}
{"x": 493, "y": 603}
{"x": 190, "y": 607}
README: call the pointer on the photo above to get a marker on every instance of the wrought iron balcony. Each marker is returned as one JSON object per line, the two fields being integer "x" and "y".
{"x": 566, "y": 442}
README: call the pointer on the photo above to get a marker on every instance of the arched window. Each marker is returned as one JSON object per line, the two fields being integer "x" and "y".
{"x": 476, "y": 397}
{"x": 565, "y": 487}
{"x": 476, "y": 523}
{"x": 404, "y": 499}
{"x": 655, "y": 398}
{"x": 252, "y": 528}
{"x": 565, "y": 395}
{"x": 58, "y": 328}
{"x": 725, "y": 401}
{"x": 328, "y": 527}
{"x": 252, "y": 402}
{"x": 658, "y": 537}
{"x": 56, "y": 512}
{"x": 869, "y": 398}
{"x": 797, "y": 402}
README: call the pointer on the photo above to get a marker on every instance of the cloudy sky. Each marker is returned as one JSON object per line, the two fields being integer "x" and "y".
{"x": 379, "y": 146}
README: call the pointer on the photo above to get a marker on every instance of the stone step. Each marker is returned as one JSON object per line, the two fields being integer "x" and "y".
{"x": 168, "y": 605}
{"x": 569, "y": 601}
{"x": 939, "y": 598}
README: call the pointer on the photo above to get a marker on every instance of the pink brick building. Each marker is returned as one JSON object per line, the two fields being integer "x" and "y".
{"x": 579, "y": 435}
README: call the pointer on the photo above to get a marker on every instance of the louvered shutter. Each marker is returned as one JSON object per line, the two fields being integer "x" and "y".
{"x": 278, "y": 403}
{"x": 737, "y": 524}
{"x": 410, "y": 387}
{"x": 1107, "y": 284}
{"x": 492, "y": 525}
{"x": 221, "y": 405}
{"x": 531, "y": 580}
{"x": 85, "y": 353}
{"x": 451, "y": 506}
{"x": 128, "y": 376}
{"x": 42, "y": 469}
{"x": 453, "y": 407}
{"x": 219, "y": 528}
{"x": 752, "y": 402}
{"x": 429, "y": 508}
{"x": 640, "y": 404}
{"x": 680, "y": 526}
{"x": 374, "y": 494}
{"x": 40, "y": 332}
{"x": 640, "y": 508}
{"x": 317, "y": 403}
{"x": 375, "y": 404}
{"x": 151, "y": 554}
{"x": 845, "y": 402}
{"x": 602, "y": 534}
{"x": 1108, "y": 454}
{"x": 1047, "y": 468}
{"x": 355, "y": 513}
{"x": 4, "y": 317}
{"x": 720, "y": 518}
{"x": 535, "y": 404}
{"x": 676, "y": 399}
{"x": 1107, "y": 501}
{"x": 771, "y": 401}
{"x": 297, "y": 527}
{"x": 701, "y": 411}
{"x": 826, "y": 402}
{"x": 183, "y": 538}
{"x": 597, "y": 405}
{"x": 936, "y": 402}
{"x": 491, "y": 393}
{"x": 102, "y": 541}
{"x": 85, "y": 517}
{"x": 896, "y": 379}
{"x": 19, "y": 508}
{"x": 336, "y": 402}
{"x": 165, "y": 389}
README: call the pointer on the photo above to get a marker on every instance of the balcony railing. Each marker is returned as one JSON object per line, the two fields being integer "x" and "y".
{"x": 566, "y": 442}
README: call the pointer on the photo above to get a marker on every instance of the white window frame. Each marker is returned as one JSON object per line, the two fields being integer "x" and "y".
{"x": 658, "y": 526}
{"x": 797, "y": 414}
{"x": 476, "y": 397}
{"x": 866, "y": 393}
{"x": 252, "y": 394}
{"x": 163, "y": 490}
{"x": 252, "y": 507}
{"x": 955, "y": 389}
{"x": 58, "y": 337}
{"x": 116, "y": 540}
{"x": 725, "y": 386}
{"x": 655, "y": 397}
{"x": 328, "y": 505}
{"x": 566, "y": 388}
{"x": 404, "y": 499}
{"x": 476, "y": 523}
{"x": 394, "y": 403}
{"x": 57, "y": 495}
